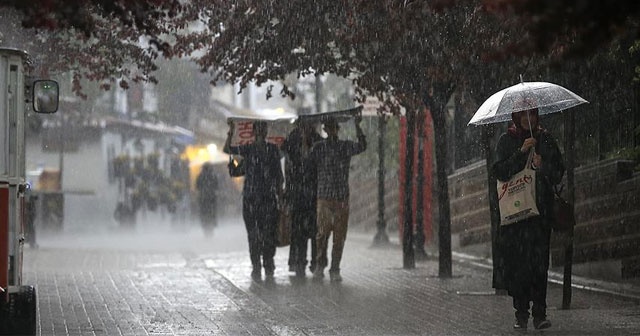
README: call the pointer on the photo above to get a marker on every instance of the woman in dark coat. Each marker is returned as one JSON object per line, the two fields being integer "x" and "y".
{"x": 524, "y": 245}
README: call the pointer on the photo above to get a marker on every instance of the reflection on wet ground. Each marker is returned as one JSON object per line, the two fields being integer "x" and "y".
{"x": 163, "y": 281}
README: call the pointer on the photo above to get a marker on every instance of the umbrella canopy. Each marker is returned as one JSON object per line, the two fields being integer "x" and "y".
{"x": 339, "y": 116}
{"x": 279, "y": 127}
{"x": 546, "y": 97}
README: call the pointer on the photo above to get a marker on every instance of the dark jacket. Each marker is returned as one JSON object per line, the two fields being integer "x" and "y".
{"x": 263, "y": 175}
{"x": 300, "y": 174}
{"x": 524, "y": 246}
{"x": 510, "y": 160}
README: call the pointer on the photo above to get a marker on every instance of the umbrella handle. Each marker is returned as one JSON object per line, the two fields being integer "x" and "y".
{"x": 529, "y": 121}
{"x": 532, "y": 151}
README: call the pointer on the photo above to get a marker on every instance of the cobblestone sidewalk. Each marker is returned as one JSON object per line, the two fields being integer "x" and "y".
{"x": 105, "y": 291}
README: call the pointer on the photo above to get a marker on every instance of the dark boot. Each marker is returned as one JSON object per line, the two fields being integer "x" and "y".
{"x": 539, "y": 313}
{"x": 256, "y": 274}
{"x": 542, "y": 323}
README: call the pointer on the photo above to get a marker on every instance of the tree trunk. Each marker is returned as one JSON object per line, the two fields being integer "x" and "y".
{"x": 436, "y": 103}
{"x": 408, "y": 256}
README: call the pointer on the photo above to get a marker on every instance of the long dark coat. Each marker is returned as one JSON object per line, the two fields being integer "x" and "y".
{"x": 524, "y": 246}
{"x": 301, "y": 175}
{"x": 207, "y": 186}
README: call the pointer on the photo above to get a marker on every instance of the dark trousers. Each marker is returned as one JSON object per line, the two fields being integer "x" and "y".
{"x": 332, "y": 219}
{"x": 260, "y": 213}
{"x": 532, "y": 294}
{"x": 303, "y": 229}
{"x": 526, "y": 262}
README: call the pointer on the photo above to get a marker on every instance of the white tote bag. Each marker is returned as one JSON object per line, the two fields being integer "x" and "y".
{"x": 517, "y": 196}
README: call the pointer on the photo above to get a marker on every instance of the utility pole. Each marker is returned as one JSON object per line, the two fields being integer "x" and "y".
{"x": 318, "y": 88}
{"x": 569, "y": 131}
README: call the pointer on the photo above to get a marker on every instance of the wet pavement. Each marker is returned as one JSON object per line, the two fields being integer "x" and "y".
{"x": 168, "y": 281}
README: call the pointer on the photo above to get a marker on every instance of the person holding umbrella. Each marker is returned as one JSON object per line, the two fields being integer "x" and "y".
{"x": 332, "y": 158}
{"x": 260, "y": 194}
{"x": 301, "y": 193}
{"x": 525, "y": 244}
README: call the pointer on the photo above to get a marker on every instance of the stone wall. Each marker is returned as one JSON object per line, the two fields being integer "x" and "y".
{"x": 607, "y": 213}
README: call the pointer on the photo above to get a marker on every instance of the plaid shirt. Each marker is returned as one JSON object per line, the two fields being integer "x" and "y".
{"x": 332, "y": 159}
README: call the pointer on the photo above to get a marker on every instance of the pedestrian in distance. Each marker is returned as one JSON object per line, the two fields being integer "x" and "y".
{"x": 524, "y": 245}
{"x": 261, "y": 191}
{"x": 332, "y": 158}
{"x": 301, "y": 194}
{"x": 207, "y": 187}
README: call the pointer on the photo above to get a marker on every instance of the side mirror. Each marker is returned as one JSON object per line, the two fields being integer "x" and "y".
{"x": 45, "y": 96}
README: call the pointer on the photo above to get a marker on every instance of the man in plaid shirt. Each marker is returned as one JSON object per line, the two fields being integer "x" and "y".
{"x": 332, "y": 158}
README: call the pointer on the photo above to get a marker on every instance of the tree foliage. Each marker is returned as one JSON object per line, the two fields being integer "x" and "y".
{"x": 108, "y": 41}
{"x": 86, "y": 15}
{"x": 405, "y": 52}
{"x": 569, "y": 28}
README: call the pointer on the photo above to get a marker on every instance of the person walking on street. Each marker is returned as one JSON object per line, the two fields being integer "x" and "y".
{"x": 525, "y": 244}
{"x": 261, "y": 191}
{"x": 301, "y": 194}
{"x": 207, "y": 187}
{"x": 332, "y": 158}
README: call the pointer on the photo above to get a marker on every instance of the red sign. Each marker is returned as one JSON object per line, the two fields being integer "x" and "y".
{"x": 277, "y": 130}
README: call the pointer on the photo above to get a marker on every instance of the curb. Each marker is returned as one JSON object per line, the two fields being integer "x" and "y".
{"x": 626, "y": 291}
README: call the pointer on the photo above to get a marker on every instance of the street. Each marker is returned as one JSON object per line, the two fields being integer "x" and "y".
{"x": 174, "y": 281}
